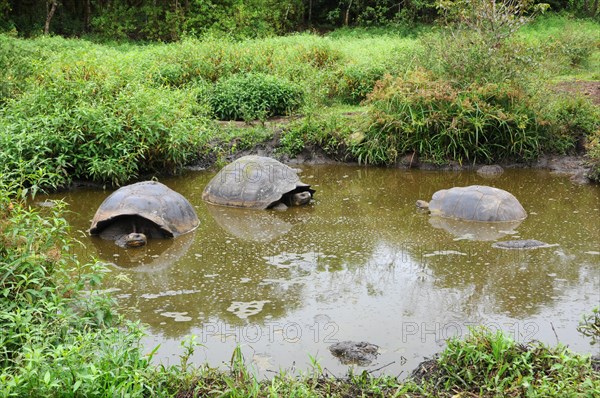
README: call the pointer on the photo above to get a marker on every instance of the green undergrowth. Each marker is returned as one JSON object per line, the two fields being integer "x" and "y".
{"x": 491, "y": 364}
{"x": 573, "y": 44}
{"x": 254, "y": 96}
{"x": 117, "y": 112}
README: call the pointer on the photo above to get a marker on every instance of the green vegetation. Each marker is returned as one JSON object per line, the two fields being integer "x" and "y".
{"x": 113, "y": 113}
{"x": 482, "y": 123}
{"x": 488, "y": 364}
{"x": 254, "y": 96}
{"x": 590, "y": 325}
{"x": 480, "y": 89}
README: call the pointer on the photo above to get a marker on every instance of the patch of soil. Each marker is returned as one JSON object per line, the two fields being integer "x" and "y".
{"x": 590, "y": 89}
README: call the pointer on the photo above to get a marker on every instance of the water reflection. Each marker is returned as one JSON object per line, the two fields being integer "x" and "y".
{"x": 250, "y": 225}
{"x": 157, "y": 255}
{"x": 474, "y": 230}
{"x": 361, "y": 264}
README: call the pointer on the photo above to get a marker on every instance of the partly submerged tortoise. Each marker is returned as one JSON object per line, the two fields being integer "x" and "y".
{"x": 143, "y": 210}
{"x": 257, "y": 182}
{"x": 475, "y": 203}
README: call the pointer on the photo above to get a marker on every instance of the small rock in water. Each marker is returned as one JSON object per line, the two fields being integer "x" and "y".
{"x": 490, "y": 170}
{"x": 355, "y": 353}
{"x": 522, "y": 244}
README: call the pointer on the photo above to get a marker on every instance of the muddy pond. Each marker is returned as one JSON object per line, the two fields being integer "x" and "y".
{"x": 359, "y": 263}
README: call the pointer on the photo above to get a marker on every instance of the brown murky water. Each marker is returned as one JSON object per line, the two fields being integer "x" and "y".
{"x": 358, "y": 264}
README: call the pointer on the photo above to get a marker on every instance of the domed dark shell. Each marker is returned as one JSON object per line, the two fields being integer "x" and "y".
{"x": 255, "y": 182}
{"x": 150, "y": 200}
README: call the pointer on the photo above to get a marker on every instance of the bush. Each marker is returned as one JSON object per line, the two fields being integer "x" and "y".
{"x": 357, "y": 81}
{"x": 329, "y": 132}
{"x": 85, "y": 125}
{"x": 465, "y": 57}
{"x": 480, "y": 123}
{"x": 254, "y": 96}
{"x": 590, "y": 325}
{"x": 593, "y": 156}
{"x": 573, "y": 118}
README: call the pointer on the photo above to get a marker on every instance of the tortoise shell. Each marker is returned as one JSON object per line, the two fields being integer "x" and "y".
{"x": 476, "y": 203}
{"x": 254, "y": 182}
{"x": 150, "y": 200}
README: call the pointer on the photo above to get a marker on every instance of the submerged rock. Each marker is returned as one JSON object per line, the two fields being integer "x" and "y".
{"x": 492, "y": 170}
{"x": 522, "y": 244}
{"x": 355, "y": 353}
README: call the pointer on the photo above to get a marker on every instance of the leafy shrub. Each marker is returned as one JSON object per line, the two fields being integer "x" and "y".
{"x": 254, "y": 96}
{"x": 561, "y": 44}
{"x": 16, "y": 58}
{"x": 86, "y": 125}
{"x": 572, "y": 117}
{"x": 330, "y": 132}
{"x": 318, "y": 54}
{"x": 480, "y": 123}
{"x": 590, "y": 325}
{"x": 60, "y": 336}
{"x": 465, "y": 57}
{"x": 577, "y": 46}
{"x": 357, "y": 81}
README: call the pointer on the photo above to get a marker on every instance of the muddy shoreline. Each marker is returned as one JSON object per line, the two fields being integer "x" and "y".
{"x": 573, "y": 166}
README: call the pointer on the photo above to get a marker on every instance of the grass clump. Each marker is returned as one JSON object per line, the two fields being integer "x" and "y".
{"x": 442, "y": 122}
{"x": 492, "y": 364}
{"x": 332, "y": 132}
{"x": 590, "y": 325}
{"x": 254, "y": 96}
{"x": 357, "y": 81}
{"x": 593, "y": 156}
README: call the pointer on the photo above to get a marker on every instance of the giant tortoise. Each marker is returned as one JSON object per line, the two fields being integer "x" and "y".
{"x": 475, "y": 203}
{"x": 257, "y": 182}
{"x": 143, "y": 210}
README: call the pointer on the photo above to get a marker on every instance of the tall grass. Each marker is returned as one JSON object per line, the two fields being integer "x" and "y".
{"x": 491, "y": 364}
{"x": 113, "y": 113}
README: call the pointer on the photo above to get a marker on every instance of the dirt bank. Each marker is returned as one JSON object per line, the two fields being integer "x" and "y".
{"x": 568, "y": 165}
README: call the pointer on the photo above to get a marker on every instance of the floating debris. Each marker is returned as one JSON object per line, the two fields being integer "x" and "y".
{"x": 243, "y": 309}
{"x": 444, "y": 253}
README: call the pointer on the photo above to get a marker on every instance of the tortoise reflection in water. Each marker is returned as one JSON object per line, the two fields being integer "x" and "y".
{"x": 257, "y": 182}
{"x": 141, "y": 211}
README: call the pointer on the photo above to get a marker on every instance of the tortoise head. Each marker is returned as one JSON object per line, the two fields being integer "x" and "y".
{"x": 422, "y": 205}
{"x": 133, "y": 239}
{"x": 300, "y": 198}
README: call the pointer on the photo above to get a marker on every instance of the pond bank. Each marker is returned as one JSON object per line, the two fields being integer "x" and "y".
{"x": 575, "y": 166}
